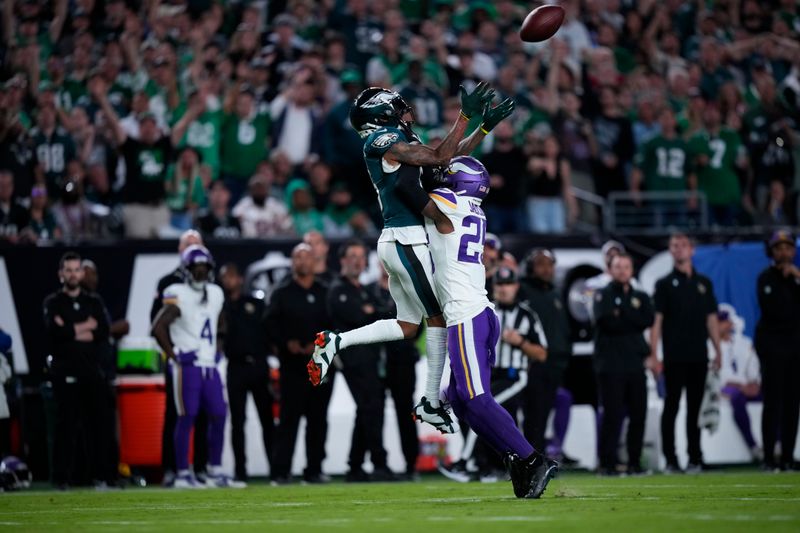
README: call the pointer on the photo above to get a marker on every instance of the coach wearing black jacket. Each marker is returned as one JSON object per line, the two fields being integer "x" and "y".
{"x": 296, "y": 312}
{"x": 77, "y": 328}
{"x": 621, "y": 316}
{"x": 350, "y": 305}
{"x": 777, "y": 340}
{"x": 178, "y": 275}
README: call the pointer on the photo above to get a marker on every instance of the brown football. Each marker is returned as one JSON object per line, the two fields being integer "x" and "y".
{"x": 541, "y": 23}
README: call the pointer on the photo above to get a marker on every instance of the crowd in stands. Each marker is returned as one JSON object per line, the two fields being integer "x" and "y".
{"x": 143, "y": 118}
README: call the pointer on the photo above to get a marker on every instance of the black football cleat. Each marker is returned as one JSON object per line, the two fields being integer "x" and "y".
{"x": 530, "y": 476}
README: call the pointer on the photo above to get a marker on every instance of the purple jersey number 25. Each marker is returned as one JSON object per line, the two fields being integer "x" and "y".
{"x": 465, "y": 255}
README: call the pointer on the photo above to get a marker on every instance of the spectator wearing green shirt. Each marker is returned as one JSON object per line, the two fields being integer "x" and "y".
{"x": 245, "y": 139}
{"x": 718, "y": 154}
{"x": 662, "y": 164}
{"x": 204, "y": 133}
{"x": 186, "y": 191}
{"x": 301, "y": 207}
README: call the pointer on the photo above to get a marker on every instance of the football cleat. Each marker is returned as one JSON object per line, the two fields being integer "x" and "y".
{"x": 438, "y": 417}
{"x": 187, "y": 481}
{"x": 326, "y": 346}
{"x": 222, "y": 481}
{"x": 530, "y": 477}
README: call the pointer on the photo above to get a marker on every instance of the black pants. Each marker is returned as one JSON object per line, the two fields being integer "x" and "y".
{"x": 299, "y": 398}
{"x": 620, "y": 394}
{"x": 540, "y": 397}
{"x": 110, "y": 440}
{"x": 80, "y": 408}
{"x": 679, "y": 376}
{"x": 361, "y": 372}
{"x": 168, "y": 435}
{"x": 779, "y": 386}
{"x": 252, "y": 378}
{"x": 401, "y": 381}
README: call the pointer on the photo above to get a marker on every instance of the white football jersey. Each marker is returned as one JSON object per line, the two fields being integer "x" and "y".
{"x": 458, "y": 271}
{"x": 196, "y": 328}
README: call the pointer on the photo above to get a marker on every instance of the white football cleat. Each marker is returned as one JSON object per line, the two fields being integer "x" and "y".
{"x": 438, "y": 417}
{"x": 223, "y": 481}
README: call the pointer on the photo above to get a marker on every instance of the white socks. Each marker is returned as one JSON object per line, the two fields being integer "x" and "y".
{"x": 436, "y": 345}
{"x": 379, "y": 331}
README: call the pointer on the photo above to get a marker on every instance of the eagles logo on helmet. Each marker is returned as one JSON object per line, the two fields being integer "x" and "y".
{"x": 377, "y": 108}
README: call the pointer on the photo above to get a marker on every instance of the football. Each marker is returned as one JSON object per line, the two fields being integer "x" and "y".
{"x": 541, "y": 23}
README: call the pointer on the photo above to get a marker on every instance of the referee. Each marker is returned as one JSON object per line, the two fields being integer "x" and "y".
{"x": 77, "y": 327}
{"x": 686, "y": 317}
{"x": 777, "y": 341}
{"x": 621, "y": 315}
{"x": 178, "y": 275}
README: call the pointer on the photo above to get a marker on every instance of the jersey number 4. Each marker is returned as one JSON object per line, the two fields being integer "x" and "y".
{"x": 206, "y": 332}
{"x": 475, "y": 233}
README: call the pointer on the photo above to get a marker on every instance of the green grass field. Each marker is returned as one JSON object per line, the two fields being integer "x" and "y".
{"x": 725, "y": 501}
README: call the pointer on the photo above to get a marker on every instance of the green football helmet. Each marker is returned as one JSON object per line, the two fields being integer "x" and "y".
{"x": 377, "y": 108}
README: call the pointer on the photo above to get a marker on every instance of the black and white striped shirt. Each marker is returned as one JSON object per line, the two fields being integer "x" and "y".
{"x": 521, "y": 318}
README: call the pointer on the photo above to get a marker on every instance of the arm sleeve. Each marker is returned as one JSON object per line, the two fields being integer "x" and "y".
{"x": 409, "y": 189}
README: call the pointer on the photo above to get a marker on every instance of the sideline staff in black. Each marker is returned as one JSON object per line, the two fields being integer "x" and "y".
{"x": 540, "y": 293}
{"x": 621, "y": 315}
{"x": 777, "y": 340}
{"x": 246, "y": 350}
{"x": 77, "y": 327}
{"x": 178, "y": 275}
{"x": 686, "y": 314}
{"x": 401, "y": 376}
{"x": 296, "y": 312}
{"x": 350, "y": 306}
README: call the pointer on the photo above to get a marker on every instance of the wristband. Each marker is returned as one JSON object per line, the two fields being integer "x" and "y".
{"x": 464, "y": 116}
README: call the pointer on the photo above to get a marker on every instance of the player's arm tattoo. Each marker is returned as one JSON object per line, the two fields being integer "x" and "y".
{"x": 160, "y": 330}
{"x": 421, "y": 155}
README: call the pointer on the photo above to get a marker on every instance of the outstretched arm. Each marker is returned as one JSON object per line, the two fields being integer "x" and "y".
{"x": 421, "y": 155}
{"x": 492, "y": 116}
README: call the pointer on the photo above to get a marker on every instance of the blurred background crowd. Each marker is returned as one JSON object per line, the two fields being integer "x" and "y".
{"x": 144, "y": 118}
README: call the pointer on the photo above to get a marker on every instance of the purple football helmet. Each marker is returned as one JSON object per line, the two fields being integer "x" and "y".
{"x": 467, "y": 176}
{"x": 196, "y": 255}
